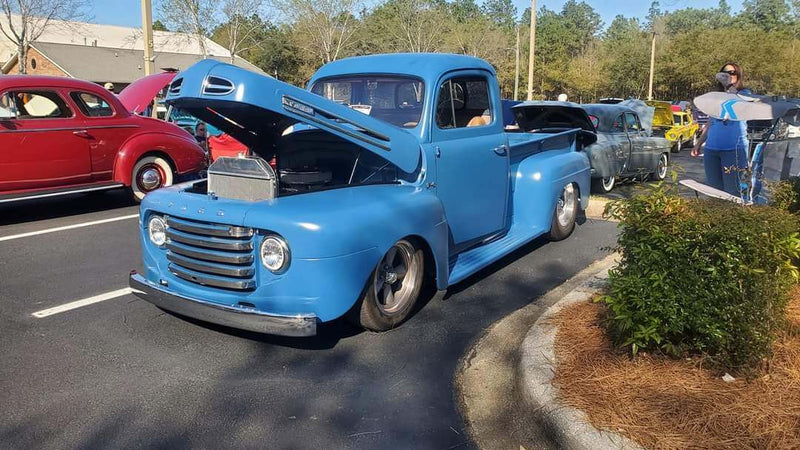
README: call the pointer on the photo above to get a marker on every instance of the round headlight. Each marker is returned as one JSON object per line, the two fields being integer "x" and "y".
{"x": 274, "y": 253}
{"x": 157, "y": 229}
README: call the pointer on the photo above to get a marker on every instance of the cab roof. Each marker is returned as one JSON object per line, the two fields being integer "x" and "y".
{"x": 428, "y": 66}
{"x": 39, "y": 81}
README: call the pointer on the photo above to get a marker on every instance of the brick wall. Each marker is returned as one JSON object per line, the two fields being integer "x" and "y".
{"x": 43, "y": 66}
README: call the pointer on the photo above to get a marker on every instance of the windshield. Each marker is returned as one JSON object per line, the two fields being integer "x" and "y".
{"x": 397, "y": 100}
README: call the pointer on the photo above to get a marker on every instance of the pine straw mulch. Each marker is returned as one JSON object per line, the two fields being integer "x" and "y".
{"x": 663, "y": 403}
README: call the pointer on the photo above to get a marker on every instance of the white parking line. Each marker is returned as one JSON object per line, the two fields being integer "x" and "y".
{"x": 79, "y": 303}
{"x": 68, "y": 227}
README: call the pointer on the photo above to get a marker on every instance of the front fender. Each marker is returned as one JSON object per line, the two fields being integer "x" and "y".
{"x": 186, "y": 156}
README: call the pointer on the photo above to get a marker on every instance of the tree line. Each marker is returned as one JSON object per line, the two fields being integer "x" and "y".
{"x": 576, "y": 53}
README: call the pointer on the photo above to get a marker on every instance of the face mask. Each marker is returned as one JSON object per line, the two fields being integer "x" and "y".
{"x": 724, "y": 79}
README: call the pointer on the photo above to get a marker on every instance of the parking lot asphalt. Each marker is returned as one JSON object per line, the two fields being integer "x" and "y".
{"x": 122, "y": 373}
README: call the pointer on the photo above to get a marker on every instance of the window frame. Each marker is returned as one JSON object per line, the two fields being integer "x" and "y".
{"x": 39, "y": 91}
{"x": 76, "y": 98}
{"x": 466, "y": 77}
{"x": 638, "y": 122}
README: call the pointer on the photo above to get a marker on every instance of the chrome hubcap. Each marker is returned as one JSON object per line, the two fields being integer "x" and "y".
{"x": 396, "y": 278}
{"x": 149, "y": 178}
{"x": 566, "y": 205}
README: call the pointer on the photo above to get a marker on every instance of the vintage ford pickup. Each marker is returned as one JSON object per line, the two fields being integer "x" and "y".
{"x": 390, "y": 171}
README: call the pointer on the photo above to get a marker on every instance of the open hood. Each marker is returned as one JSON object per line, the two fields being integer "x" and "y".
{"x": 662, "y": 117}
{"x": 256, "y": 109}
{"x": 532, "y": 116}
{"x": 137, "y": 95}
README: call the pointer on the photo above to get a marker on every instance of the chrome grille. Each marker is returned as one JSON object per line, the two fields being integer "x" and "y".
{"x": 209, "y": 254}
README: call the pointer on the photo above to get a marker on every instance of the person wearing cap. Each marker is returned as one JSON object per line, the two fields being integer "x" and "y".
{"x": 109, "y": 86}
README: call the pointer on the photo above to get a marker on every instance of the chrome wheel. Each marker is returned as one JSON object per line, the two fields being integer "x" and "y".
{"x": 663, "y": 164}
{"x": 396, "y": 279}
{"x": 149, "y": 178}
{"x": 565, "y": 209}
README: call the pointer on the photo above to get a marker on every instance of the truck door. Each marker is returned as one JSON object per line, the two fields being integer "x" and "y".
{"x": 473, "y": 156}
{"x": 40, "y": 141}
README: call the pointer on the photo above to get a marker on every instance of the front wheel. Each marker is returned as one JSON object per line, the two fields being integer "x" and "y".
{"x": 565, "y": 213}
{"x": 662, "y": 167}
{"x": 150, "y": 173}
{"x": 604, "y": 185}
{"x": 392, "y": 289}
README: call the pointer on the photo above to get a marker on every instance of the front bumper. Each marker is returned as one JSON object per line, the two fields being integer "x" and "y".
{"x": 230, "y": 316}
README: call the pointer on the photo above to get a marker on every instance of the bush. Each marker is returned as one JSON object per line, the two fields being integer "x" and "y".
{"x": 700, "y": 276}
{"x": 785, "y": 195}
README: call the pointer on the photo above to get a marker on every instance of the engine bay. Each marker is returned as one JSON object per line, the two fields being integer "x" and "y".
{"x": 301, "y": 162}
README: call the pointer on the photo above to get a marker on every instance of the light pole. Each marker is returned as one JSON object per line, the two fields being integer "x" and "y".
{"x": 516, "y": 68}
{"x": 652, "y": 67}
{"x": 147, "y": 36}
{"x": 532, "y": 50}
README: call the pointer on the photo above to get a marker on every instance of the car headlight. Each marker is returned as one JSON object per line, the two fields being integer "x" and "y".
{"x": 157, "y": 229}
{"x": 274, "y": 253}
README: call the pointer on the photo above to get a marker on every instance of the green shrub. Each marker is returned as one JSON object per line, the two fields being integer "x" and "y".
{"x": 785, "y": 195}
{"x": 700, "y": 276}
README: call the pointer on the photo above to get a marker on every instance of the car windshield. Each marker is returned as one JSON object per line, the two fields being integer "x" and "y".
{"x": 397, "y": 100}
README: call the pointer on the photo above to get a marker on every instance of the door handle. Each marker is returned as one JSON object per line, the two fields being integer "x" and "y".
{"x": 82, "y": 133}
{"x": 501, "y": 150}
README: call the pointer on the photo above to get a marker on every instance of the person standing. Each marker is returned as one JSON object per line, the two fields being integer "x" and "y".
{"x": 725, "y": 156}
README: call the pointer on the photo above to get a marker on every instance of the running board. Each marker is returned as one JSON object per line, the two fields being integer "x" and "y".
{"x": 465, "y": 264}
{"x": 8, "y": 198}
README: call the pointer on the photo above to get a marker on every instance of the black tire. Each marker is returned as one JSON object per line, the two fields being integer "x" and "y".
{"x": 565, "y": 213}
{"x": 603, "y": 185}
{"x": 662, "y": 168}
{"x": 676, "y": 148}
{"x": 373, "y": 310}
{"x": 693, "y": 142}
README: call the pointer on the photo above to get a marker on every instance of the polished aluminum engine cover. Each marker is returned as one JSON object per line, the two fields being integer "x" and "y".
{"x": 242, "y": 178}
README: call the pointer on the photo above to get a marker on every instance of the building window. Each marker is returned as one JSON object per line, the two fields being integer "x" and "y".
{"x": 33, "y": 63}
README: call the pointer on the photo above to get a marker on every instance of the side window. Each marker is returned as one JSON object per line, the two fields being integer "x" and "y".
{"x": 7, "y": 108}
{"x": 464, "y": 102}
{"x": 632, "y": 122}
{"x": 619, "y": 125}
{"x": 39, "y": 105}
{"x": 91, "y": 105}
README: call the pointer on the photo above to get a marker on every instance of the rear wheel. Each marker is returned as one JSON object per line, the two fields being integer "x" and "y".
{"x": 604, "y": 185}
{"x": 565, "y": 213}
{"x": 150, "y": 173}
{"x": 677, "y": 146}
{"x": 392, "y": 289}
{"x": 662, "y": 167}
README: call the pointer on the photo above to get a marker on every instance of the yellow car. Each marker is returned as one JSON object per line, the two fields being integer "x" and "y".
{"x": 677, "y": 126}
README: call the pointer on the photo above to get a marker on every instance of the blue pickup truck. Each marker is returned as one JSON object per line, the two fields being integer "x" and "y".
{"x": 390, "y": 171}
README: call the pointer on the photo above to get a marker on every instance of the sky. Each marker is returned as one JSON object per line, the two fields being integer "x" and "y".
{"x": 128, "y": 12}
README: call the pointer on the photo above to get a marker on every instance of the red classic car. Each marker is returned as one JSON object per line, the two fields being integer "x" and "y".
{"x": 61, "y": 135}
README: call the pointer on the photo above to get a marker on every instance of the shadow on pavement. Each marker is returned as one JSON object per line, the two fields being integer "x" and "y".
{"x": 63, "y": 206}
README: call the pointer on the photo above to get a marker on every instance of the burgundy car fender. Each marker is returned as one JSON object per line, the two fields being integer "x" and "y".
{"x": 184, "y": 155}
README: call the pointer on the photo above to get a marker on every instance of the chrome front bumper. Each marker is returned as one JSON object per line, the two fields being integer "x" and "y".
{"x": 245, "y": 319}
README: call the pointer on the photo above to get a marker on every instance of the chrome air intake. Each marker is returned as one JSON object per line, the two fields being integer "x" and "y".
{"x": 243, "y": 178}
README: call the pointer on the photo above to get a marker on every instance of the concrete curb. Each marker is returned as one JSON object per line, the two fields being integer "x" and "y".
{"x": 569, "y": 426}
{"x": 596, "y": 207}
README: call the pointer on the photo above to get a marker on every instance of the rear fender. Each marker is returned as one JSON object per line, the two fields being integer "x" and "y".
{"x": 538, "y": 181}
{"x": 185, "y": 156}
